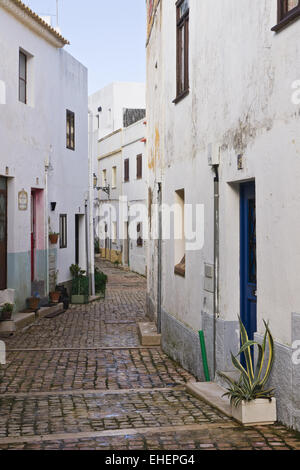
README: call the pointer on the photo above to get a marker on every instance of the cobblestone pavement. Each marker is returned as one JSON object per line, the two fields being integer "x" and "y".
{"x": 82, "y": 381}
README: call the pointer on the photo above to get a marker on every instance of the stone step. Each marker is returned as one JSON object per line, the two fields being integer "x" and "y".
{"x": 43, "y": 311}
{"x": 211, "y": 393}
{"x": 148, "y": 334}
{"x": 22, "y": 319}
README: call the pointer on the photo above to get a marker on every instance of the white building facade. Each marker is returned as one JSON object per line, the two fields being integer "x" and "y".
{"x": 222, "y": 120}
{"x": 119, "y": 145}
{"x": 122, "y": 212}
{"x": 43, "y": 156}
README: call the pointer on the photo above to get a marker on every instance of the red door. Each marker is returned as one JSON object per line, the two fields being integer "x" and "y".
{"x": 3, "y": 233}
{"x": 33, "y": 233}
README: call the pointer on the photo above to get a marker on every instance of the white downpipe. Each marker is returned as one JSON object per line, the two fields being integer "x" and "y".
{"x": 91, "y": 206}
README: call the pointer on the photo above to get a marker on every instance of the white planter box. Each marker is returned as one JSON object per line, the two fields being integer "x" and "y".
{"x": 260, "y": 411}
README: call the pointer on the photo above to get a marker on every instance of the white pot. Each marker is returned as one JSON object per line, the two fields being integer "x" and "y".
{"x": 260, "y": 411}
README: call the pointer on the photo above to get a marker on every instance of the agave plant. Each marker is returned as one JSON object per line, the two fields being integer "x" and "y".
{"x": 252, "y": 382}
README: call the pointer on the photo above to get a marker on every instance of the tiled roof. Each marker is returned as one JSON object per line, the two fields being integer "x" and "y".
{"x": 38, "y": 19}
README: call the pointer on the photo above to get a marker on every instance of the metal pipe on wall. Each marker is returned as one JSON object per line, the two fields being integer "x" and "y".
{"x": 159, "y": 257}
{"x": 216, "y": 263}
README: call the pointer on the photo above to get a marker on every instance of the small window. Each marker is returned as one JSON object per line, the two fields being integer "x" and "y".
{"x": 288, "y": 10}
{"x": 70, "y": 130}
{"x": 22, "y": 77}
{"x": 182, "y": 79}
{"x": 63, "y": 232}
{"x": 126, "y": 170}
{"x": 139, "y": 166}
{"x": 139, "y": 230}
{"x": 104, "y": 178}
{"x": 114, "y": 177}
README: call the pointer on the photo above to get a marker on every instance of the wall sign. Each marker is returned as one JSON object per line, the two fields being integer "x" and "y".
{"x": 22, "y": 200}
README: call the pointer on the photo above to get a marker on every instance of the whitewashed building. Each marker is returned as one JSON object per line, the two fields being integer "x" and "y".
{"x": 43, "y": 155}
{"x": 120, "y": 165}
{"x": 223, "y": 133}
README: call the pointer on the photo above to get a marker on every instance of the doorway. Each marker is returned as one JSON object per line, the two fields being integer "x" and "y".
{"x": 3, "y": 233}
{"x": 248, "y": 258}
{"x": 33, "y": 233}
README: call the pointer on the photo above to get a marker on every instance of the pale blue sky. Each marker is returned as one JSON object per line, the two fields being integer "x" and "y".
{"x": 107, "y": 36}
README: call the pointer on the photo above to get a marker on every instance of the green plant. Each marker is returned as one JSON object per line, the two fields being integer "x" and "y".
{"x": 80, "y": 282}
{"x": 100, "y": 281}
{"x": 8, "y": 308}
{"x": 97, "y": 245}
{"x": 252, "y": 382}
{"x": 76, "y": 270}
{"x": 116, "y": 263}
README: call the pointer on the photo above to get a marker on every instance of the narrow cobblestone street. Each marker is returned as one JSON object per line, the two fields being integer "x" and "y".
{"x": 82, "y": 381}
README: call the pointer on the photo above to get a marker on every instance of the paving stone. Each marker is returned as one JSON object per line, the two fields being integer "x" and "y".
{"x": 60, "y": 383}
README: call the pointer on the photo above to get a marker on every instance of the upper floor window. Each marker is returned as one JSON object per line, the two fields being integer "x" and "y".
{"x": 114, "y": 177}
{"x": 70, "y": 130}
{"x": 126, "y": 170}
{"x": 22, "y": 77}
{"x": 139, "y": 166}
{"x": 182, "y": 78}
{"x": 288, "y": 10}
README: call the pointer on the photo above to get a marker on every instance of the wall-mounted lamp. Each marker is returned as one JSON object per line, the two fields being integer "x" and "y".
{"x": 105, "y": 188}
{"x": 53, "y": 206}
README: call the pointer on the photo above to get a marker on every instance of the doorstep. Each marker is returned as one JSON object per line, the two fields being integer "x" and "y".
{"x": 148, "y": 334}
{"x": 211, "y": 393}
{"x": 22, "y": 319}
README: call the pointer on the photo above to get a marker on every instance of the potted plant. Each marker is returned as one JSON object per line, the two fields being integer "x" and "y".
{"x": 251, "y": 401}
{"x": 100, "y": 282}
{"x": 53, "y": 237}
{"x": 55, "y": 294}
{"x": 80, "y": 285}
{"x": 6, "y": 312}
{"x": 33, "y": 302}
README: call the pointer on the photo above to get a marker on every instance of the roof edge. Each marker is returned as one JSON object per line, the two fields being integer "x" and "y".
{"x": 32, "y": 20}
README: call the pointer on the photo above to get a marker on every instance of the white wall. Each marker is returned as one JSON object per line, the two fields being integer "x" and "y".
{"x": 241, "y": 74}
{"x": 34, "y": 135}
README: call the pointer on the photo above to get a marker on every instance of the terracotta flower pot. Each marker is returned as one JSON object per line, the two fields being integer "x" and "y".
{"x": 54, "y": 296}
{"x": 33, "y": 303}
{"x": 53, "y": 237}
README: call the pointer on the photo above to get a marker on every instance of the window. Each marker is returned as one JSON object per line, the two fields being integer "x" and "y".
{"x": 104, "y": 173}
{"x": 139, "y": 230}
{"x": 182, "y": 79}
{"x": 288, "y": 10}
{"x": 70, "y": 130}
{"x": 126, "y": 170}
{"x": 114, "y": 177}
{"x": 63, "y": 233}
{"x": 139, "y": 166}
{"x": 22, "y": 77}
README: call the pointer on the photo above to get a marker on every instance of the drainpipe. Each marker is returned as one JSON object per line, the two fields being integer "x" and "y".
{"x": 87, "y": 238}
{"x": 159, "y": 267}
{"x": 46, "y": 227}
{"x": 216, "y": 263}
{"x": 91, "y": 206}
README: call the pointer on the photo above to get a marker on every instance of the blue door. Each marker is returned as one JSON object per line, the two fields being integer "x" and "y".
{"x": 248, "y": 258}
